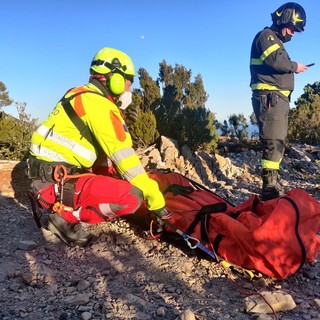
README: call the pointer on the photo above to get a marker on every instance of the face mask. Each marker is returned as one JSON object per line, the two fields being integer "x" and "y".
{"x": 124, "y": 100}
{"x": 287, "y": 38}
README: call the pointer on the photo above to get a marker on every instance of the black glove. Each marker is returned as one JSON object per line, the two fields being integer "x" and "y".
{"x": 160, "y": 215}
{"x": 130, "y": 114}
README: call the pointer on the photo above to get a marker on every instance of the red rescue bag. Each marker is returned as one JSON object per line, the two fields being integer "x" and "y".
{"x": 274, "y": 237}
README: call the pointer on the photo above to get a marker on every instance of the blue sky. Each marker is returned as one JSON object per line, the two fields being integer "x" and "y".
{"x": 47, "y": 46}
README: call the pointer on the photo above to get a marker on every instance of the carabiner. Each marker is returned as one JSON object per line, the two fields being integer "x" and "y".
{"x": 60, "y": 173}
{"x": 190, "y": 244}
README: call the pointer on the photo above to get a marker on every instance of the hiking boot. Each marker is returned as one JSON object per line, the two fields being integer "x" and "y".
{"x": 70, "y": 233}
{"x": 271, "y": 187}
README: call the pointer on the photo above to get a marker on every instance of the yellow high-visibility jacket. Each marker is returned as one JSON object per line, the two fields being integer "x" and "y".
{"x": 57, "y": 139}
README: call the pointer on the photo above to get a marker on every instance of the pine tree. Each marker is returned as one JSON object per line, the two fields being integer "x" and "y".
{"x": 304, "y": 119}
{"x": 5, "y": 100}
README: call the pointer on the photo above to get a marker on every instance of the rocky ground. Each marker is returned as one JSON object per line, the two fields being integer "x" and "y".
{"x": 121, "y": 275}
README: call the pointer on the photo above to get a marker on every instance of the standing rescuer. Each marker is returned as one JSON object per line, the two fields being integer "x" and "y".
{"x": 86, "y": 133}
{"x": 272, "y": 82}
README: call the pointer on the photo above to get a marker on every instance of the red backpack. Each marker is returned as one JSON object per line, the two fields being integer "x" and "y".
{"x": 274, "y": 237}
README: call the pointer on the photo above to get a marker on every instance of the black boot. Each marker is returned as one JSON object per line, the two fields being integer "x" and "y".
{"x": 70, "y": 233}
{"x": 271, "y": 187}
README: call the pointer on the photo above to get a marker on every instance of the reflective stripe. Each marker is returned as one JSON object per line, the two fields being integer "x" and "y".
{"x": 267, "y": 164}
{"x": 264, "y": 55}
{"x": 265, "y": 86}
{"x": 270, "y": 50}
{"x": 133, "y": 172}
{"x": 130, "y": 163}
{"x": 122, "y": 154}
{"x": 50, "y": 155}
{"x": 76, "y": 214}
{"x": 73, "y": 146}
{"x": 256, "y": 62}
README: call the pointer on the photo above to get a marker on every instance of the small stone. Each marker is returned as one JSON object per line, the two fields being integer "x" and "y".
{"x": 86, "y": 315}
{"x": 83, "y": 285}
{"x": 317, "y": 302}
{"x": 28, "y": 277}
{"x": 63, "y": 316}
{"x": 26, "y": 245}
{"x": 161, "y": 312}
{"x": 188, "y": 315}
{"x": 78, "y": 299}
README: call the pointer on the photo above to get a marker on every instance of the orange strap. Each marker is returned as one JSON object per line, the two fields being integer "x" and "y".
{"x": 61, "y": 173}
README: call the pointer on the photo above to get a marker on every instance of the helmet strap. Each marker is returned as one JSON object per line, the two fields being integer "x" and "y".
{"x": 97, "y": 80}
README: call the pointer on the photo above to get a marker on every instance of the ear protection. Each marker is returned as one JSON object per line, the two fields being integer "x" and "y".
{"x": 116, "y": 83}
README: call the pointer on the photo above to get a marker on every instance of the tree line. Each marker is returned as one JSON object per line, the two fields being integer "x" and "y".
{"x": 172, "y": 105}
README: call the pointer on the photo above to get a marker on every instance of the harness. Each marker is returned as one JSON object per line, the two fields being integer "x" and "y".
{"x": 62, "y": 175}
{"x": 75, "y": 119}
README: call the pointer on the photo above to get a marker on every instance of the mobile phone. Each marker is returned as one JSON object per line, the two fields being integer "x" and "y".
{"x": 310, "y": 65}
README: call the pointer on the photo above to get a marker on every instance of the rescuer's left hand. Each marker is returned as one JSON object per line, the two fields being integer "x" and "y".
{"x": 160, "y": 215}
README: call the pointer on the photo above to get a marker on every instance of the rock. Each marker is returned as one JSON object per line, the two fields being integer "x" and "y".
{"x": 26, "y": 245}
{"x": 298, "y": 153}
{"x": 86, "y": 315}
{"x": 83, "y": 285}
{"x": 161, "y": 312}
{"x": 261, "y": 317}
{"x": 188, "y": 315}
{"x": 279, "y": 301}
{"x": 317, "y": 302}
{"x": 82, "y": 298}
{"x": 28, "y": 277}
{"x": 137, "y": 300}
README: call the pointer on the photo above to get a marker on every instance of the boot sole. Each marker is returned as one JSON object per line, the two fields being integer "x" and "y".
{"x": 68, "y": 241}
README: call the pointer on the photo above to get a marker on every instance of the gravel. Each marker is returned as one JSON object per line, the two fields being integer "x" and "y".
{"x": 121, "y": 275}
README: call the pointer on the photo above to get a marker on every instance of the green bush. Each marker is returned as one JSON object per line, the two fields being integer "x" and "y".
{"x": 144, "y": 131}
{"x": 15, "y": 134}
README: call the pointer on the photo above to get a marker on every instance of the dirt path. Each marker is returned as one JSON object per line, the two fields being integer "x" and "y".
{"x": 123, "y": 276}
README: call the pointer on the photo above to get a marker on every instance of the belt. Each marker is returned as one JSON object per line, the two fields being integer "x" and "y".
{"x": 39, "y": 169}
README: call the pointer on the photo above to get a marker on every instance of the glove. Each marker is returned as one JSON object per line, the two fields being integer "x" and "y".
{"x": 130, "y": 114}
{"x": 160, "y": 215}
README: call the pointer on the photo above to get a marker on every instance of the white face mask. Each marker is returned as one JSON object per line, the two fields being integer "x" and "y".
{"x": 125, "y": 100}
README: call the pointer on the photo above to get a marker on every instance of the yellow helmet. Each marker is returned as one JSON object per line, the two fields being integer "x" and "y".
{"x": 116, "y": 62}
{"x": 107, "y": 60}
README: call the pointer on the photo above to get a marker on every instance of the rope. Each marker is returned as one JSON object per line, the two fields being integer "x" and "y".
{"x": 225, "y": 264}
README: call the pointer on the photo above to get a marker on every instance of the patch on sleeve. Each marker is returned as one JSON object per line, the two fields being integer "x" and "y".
{"x": 118, "y": 126}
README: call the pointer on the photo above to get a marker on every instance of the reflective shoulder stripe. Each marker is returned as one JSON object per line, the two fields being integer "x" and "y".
{"x": 266, "y": 53}
{"x": 270, "y": 50}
